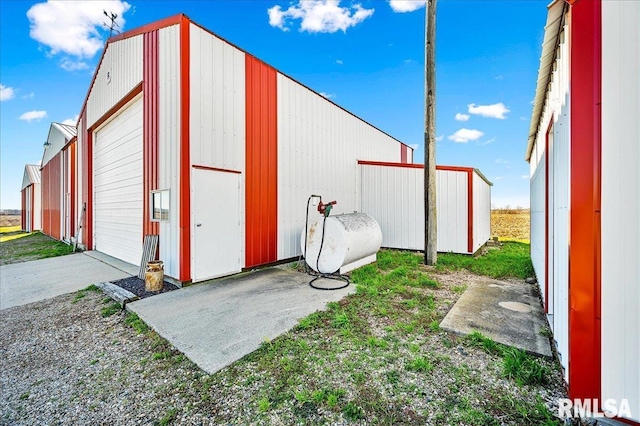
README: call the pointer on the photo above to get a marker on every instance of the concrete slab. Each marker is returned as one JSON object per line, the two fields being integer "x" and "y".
{"x": 507, "y": 313}
{"x": 28, "y": 282}
{"x": 217, "y": 323}
{"x": 129, "y": 268}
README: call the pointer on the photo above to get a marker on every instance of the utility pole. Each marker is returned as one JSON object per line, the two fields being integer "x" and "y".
{"x": 430, "y": 212}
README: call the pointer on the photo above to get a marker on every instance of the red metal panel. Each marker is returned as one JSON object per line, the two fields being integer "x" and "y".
{"x": 33, "y": 204}
{"x": 403, "y": 153}
{"x": 87, "y": 182}
{"x": 51, "y": 179}
{"x": 150, "y": 127}
{"x": 72, "y": 190}
{"x": 261, "y": 231}
{"x": 546, "y": 216}
{"x": 23, "y": 212}
{"x": 584, "y": 250}
{"x": 185, "y": 159}
{"x": 469, "y": 210}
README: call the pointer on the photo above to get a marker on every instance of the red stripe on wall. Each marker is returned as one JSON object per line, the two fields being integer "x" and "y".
{"x": 150, "y": 127}
{"x": 470, "y": 211}
{"x": 33, "y": 199}
{"x": 23, "y": 213}
{"x": 87, "y": 183}
{"x": 584, "y": 251}
{"x": 546, "y": 217}
{"x": 403, "y": 153}
{"x": 72, "y": 190}
{"x": 185, "y": 159}
{"x": 52, "y": 196}
{"x": 261, "y": 233}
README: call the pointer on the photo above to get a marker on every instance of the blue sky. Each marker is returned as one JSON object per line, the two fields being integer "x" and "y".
{"x": 367, "y": 56}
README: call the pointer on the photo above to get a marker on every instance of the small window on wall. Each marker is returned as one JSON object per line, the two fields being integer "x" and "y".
{"x": 160, "y": 205}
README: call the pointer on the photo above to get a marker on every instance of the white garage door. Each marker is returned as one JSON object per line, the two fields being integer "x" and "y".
{"x": 117, "y": 182}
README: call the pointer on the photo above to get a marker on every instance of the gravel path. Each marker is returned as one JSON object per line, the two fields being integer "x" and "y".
{"x": 63, "y": 363}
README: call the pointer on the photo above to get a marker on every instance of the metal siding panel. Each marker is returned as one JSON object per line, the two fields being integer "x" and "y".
{"x": 318, "y": 147}
{"x": 168, "y": 147}
{"x": 481, "y": 212}
{"x": 621, "y": 203}
{"x": 123, "y": 59}
{"x": 452, "y": 211}
{"x": 218, "y": 107}
{"x": 261, "y": 229}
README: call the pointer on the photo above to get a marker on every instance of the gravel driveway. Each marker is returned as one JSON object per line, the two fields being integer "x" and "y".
{"x": 64, "y": 363}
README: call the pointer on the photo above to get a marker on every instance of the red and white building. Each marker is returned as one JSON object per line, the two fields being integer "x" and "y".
{"x": 58, "y": 173}
{"x": 184, "y": 135}
{"x": 584, "y": 150}
{"x": 30, "y": 196}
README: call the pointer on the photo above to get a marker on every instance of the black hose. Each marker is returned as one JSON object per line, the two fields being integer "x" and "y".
{"x": 332, "y": 276}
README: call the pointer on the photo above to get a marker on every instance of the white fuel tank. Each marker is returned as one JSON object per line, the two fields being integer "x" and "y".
{"x": 350, "y": 241}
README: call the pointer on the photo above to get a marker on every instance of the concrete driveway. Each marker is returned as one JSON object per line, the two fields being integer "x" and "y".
{"x": 27, "y": 282}
{"x": 215, "y": 324}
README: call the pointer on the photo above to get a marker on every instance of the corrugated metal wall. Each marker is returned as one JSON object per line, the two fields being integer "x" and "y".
{"x": 481, "y": 211}
{"x": 118, "y": 73}
{"x": 620, "y": 308}
{"x": 52, "y": 197}
{"x": 392, "y": 196}
{"x": 453, "y": 224}
{"x": 556, "y": 110}
{"x": 23, "y": 212}
{"x": 218, "y": 128}
{"x": 168, "y": 143}
{"x": 261, "y": 181}
{"x": 318, "y": 147}
{"x": 37, "y": 206}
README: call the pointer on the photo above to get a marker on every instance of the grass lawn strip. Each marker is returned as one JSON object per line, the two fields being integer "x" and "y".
{"x": 33, "y": 246}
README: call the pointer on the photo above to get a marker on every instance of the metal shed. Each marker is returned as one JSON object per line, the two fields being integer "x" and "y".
{"x": 583, "y": 153}
{"x": 393, "y": 194}
{"x": 184, "y": 135}
{"x": 30, "y": 196}
{"x": 58, "y": 182}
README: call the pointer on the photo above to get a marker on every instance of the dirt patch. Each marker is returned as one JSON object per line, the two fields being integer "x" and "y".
{"x": 510, "y": 224}
{"x": 10, "y": 220}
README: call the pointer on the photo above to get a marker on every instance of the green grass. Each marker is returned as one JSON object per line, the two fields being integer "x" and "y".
{"x": 32, "y": 247}
{"x": 134, "y": 321}
{"x": 111, "y": 309}
{"x": 510, "y": 260}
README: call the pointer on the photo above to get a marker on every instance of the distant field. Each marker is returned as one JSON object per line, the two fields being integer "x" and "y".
{"x": 9, "y": 220}
{"x": 510, "y": 224}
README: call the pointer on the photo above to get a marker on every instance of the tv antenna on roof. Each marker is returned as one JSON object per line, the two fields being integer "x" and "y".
{"x": 112, "y": 17}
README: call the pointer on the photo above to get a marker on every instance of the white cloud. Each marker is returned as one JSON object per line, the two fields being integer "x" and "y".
{"x": 497, "y": 178}
{"x": 28, "y": 96}
{"x": 439, "y": 138}
{"x": 465, "y": 135}
{"x": 462, "y": 117}
{"x": 72, "y": 28}
{"x": 71, "y": 65}
{"x": 71, "y": 121}
{"x": 339, "y": 61}
{"x": 402, "y": 6}
{"x": 6, "y": 93}
{"x": 319, "y": 16}
{"x": 414, "y": 146}
{"x": 501, "y": 161}
{"x": 499, "y": 77}
{"x": 33, "y": 115}
{"x": 328, "y": 95}
{"x": 492, "y": 111}
{"x": 487, "y": 142}
{"x": 525, "y": 176}
{"x": 523, "y": 118}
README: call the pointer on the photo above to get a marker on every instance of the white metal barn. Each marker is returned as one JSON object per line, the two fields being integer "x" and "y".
{"x": 584, "y": 150}
{"x": 393, "y": 194}
{"x": 30, "y": 196}
{"x": 184, "y": 135}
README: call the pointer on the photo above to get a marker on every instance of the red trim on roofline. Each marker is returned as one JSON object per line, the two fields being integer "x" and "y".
{"x": 153, "y": 26}
{"x": 415, "y": 166}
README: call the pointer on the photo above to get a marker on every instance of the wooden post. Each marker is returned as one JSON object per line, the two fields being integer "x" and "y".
{"x": 430, "y": 213}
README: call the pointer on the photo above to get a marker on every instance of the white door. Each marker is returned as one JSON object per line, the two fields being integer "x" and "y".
{"x": 216, "y": 224}
{"x": 117, "y": 183}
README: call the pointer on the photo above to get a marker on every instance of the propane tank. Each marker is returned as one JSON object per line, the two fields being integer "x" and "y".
{"x": 350, "y": 241}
